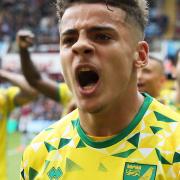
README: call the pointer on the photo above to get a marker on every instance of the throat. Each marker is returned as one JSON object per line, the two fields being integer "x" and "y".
{"x": 112, "y": 120}
{"x": 106, "y": 126}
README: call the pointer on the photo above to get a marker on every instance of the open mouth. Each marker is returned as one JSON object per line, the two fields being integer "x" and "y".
{"x": 140, "y": 86}
{"x": 87, "y": 78}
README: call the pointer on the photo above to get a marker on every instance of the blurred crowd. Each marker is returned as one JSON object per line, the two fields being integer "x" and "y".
{"x": 40, "y": 17}
{"x": 37, "y": 15}
{"x": 158, "y": 20}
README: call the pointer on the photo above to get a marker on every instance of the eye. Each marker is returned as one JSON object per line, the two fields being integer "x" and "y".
{"x": 68, "y": 41}
{"x": 102, "y": 37}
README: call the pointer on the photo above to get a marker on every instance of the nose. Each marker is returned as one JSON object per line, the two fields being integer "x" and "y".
{"x": 83, "y": 46}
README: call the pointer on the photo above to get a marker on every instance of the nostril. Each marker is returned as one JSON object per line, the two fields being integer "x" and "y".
{"x": 87, "y": 51}
{"x": 82, "y": 48}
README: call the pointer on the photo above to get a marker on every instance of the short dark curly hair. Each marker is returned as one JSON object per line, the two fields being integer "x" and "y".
{"x": 136, "y": 9}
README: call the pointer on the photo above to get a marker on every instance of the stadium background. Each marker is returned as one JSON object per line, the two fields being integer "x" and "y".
{"x": 163, "y": 34}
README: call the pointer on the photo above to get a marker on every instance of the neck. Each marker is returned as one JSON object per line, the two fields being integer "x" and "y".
{"x": 112, "y": 119}
{"x": 177, "y": 95}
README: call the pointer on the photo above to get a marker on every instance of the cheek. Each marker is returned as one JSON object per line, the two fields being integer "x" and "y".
{"x": 65, "y": 61}
{"x": 63, "y": 65}
{"x": 146, "y": 77}
{"x": 155, "y": 83}
{"x": 66, "y": 67}
{"x": 178, "y": 70}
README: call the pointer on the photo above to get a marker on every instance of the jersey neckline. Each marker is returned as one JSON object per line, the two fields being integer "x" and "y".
{"x": 103, "y": 144}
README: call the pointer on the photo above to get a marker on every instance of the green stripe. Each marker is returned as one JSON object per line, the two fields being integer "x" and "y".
{"x": 123, "y": 133}
{"x": 32, "y": 173}
{"x": 58, "y": 93}
{"x": 176, "y": 157}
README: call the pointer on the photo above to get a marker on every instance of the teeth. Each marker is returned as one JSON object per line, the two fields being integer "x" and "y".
{"x": 85, "y": 69}
{"x": 88, "y": 87}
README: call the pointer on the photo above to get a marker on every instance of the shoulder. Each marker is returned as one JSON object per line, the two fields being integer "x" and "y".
{"x": 162, "y": 127}
{"x": 64, "y": 94}
{"x": 13, "y": 89}
{"x": 10, "y": 90}
{"x": 163, "y": 112}
{"x": 49, "y": 139}
{"x": 165, "y": 124}
{"x": 63, "y": 87}
{"x": 58, "y": 128}
{"x": 7, "y": 96}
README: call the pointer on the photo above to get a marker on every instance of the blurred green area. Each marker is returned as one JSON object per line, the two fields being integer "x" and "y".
{"x": 14, "y": 154}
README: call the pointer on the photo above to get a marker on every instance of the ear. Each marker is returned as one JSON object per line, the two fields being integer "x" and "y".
{"x": 141, "y": 55}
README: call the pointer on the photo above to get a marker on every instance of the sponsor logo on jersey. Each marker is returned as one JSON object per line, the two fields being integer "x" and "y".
{"x": 135, "y": 171}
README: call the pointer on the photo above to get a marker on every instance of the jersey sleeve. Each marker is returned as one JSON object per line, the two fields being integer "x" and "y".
{"x": 10, "y": 94}
{"x": 64, "y": 94}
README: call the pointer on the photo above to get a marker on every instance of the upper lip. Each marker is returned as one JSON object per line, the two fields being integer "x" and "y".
{"x": 140, "y": 84}
{"x": 85, "y": 66}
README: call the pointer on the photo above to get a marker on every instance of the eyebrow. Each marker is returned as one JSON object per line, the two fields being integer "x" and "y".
{"x": 100, "y": 28}
{"x": 69, "y": 32}
{"x": 92, "y": 29}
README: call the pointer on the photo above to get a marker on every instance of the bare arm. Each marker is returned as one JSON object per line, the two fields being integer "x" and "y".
{"x": 46, "y": 86}
{"x": 23, "y": 97}
{"x": 18, "y": 80}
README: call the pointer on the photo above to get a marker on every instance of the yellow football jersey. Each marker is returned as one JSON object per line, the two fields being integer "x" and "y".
{"x": 168, "y": 99}
{"x": 167, "y": 91}
{"x": 147, "y": 149}
{"x": 65, "y": 96}
{"x": 6, "y": 106}
{"x": 175, "y": 106}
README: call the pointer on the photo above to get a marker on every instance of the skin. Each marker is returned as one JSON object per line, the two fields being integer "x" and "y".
{"x": 177, "y": 96}
{"x": 26, "y": 93}
{"x": 94, "y": 37}
{"x": 178, "y": 70}
{"x": 151, "y": 78}
{"x": 46, "y": 86}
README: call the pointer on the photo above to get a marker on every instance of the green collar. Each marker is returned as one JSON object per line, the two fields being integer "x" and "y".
{"x": 123, "y": 133}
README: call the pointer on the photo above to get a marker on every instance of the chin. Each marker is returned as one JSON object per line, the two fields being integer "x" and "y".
{"x": 90, "y": 108}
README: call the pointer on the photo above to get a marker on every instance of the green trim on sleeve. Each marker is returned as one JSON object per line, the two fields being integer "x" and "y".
{"x": 123, "y": 133}
{"x": 64, "y": 95}
{"x": 58, "y": 93}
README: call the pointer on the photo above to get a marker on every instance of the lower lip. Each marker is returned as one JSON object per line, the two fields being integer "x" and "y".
{"x": 89, "y": 91}
{"x": 141, "y": 87}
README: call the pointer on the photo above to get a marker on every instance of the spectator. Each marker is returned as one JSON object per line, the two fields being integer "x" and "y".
{"x": 9, "y": 99}
{"x": 56, "y": 91}
{"x": 175, "y": 98}
{"x": 151, "y": 78}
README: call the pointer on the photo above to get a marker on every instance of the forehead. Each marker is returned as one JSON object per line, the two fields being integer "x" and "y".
{"x": 87, "y": 15}
{"x": 154, "y": 62}
{"x": 154, "y": 65}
